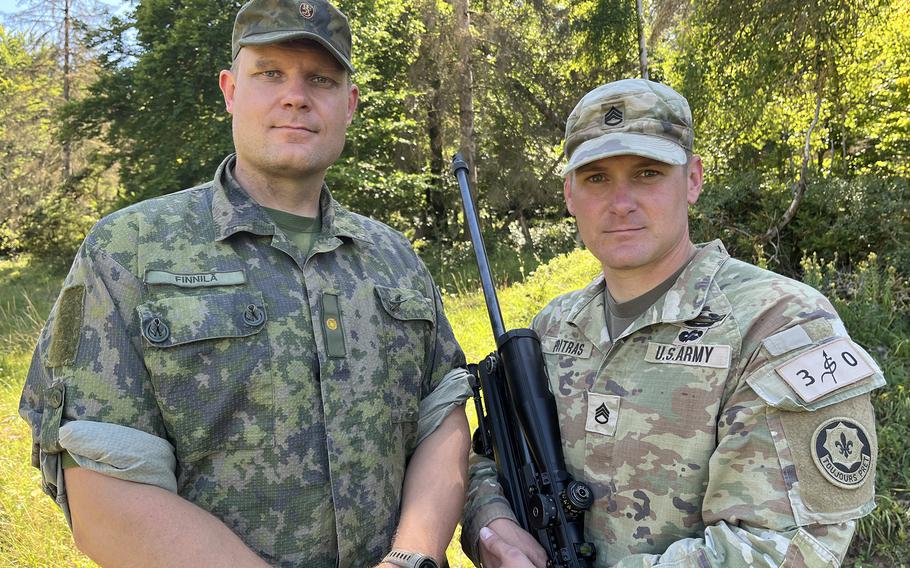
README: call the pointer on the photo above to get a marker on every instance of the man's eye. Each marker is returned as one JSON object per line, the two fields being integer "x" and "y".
{"x": 321, "y": 80}
{"x": 271, "y": 74}
{"x": 596, "y": 178}
{"x": 650, "y": 173}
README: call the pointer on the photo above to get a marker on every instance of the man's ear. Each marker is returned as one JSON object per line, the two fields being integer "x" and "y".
{"x": 353, "y": 99}
{"x": 567, "y": 193}
{"x": 227, "y": 83}
{"x": 695, "y": 179}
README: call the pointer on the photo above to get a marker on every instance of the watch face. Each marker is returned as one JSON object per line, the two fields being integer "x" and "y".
{"x": 427, "y": 563}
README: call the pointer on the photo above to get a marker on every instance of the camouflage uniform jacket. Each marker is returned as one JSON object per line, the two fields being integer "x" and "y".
{"x": 289, "y": 388}
{"x": 698, "y": 450}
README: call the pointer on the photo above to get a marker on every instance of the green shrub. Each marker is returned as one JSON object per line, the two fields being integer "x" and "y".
{"x": 849, "y": 218}
{"x": 874, "y": 303}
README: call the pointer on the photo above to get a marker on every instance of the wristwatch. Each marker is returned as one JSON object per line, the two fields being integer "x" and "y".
{"x": 407, "y": 559}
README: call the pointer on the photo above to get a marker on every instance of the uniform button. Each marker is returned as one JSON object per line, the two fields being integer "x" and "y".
{"x": 253, "y": 316}
{"x": 56, "y": 398}
{"x": 157, "y": 331}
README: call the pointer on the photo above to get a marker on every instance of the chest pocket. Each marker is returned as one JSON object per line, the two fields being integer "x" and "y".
{"x": 408, "y": 320}
{"x": 209, "y": 361}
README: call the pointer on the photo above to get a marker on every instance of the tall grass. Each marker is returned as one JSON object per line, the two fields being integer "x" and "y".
{"x": 873, "y": 302}
{"x": 33, "y": 532}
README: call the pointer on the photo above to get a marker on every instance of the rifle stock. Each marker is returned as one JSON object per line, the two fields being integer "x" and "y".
{"x": 519, "y": 425}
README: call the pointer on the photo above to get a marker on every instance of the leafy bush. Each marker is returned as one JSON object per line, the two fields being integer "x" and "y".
{"x": 849, "y": 218}
{"x": 874, "y": 302}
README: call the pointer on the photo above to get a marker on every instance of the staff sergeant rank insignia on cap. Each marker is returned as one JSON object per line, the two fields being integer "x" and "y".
{"x": 841, "y": 451}
{"x": 613, "y": 116}
{"x": 307, "y": 10}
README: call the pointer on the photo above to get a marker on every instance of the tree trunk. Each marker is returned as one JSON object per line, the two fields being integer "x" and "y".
{"x": 525, "y": 230}
{"x": 465, "y": 43}
{"x": 799, "y": 187}
{"x": 67, "y": 150}
{"x": 642, "y": 48}
{"x": 436, "y": 191}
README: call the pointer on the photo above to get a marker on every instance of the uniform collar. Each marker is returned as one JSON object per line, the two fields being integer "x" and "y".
{"x": 684, "y": 301}
{"x": 588, "y": 315}
{"x": 234, "y": 211}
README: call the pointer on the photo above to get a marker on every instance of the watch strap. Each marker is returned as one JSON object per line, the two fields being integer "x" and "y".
{"x": 406, "y": 559}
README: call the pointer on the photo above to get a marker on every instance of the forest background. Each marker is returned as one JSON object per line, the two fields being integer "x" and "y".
{"x": 801, "y": 110}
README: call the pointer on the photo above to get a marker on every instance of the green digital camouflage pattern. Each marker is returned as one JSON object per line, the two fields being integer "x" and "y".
{"x": 288, "y": 386}
{"x": 632, "y": 116}
{"x": 262, "y": 22}
{"x": 693, "y": 467}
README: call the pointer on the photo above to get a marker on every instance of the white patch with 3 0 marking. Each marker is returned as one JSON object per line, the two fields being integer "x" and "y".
{"x": 825, "y": 369}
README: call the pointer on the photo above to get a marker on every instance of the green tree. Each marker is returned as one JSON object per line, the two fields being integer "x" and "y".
{"x": 781, "y": 94}
{"x": 44, "y": 213}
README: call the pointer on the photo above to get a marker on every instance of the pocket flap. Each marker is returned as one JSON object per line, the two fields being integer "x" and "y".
{"x": 174, "y": 321}
{"x": 405, "y": 304}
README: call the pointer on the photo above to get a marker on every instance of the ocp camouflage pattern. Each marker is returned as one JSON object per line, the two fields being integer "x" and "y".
{"x": 700, "y": 469}
{"x": 275, "y": 434}
{"x": 637, "y": 106}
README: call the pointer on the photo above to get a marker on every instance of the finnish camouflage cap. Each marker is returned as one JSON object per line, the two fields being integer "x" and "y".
{"x": 632, "y": 116}
{"x": 263, "y": 22}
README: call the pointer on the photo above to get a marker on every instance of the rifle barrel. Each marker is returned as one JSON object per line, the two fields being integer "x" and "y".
{"x": 460, "y": 168}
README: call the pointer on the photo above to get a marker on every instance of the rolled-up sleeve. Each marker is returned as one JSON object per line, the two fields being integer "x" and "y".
{"x": 88, "y": 366}
{"x": 445, "y": 379}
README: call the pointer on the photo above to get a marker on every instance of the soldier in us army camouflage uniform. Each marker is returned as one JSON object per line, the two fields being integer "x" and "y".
{"x": 720, "y": 412}
{"x": 245, "y": 372}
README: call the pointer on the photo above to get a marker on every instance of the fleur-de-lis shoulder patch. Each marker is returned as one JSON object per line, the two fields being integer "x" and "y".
{"x": 842, "y": 452}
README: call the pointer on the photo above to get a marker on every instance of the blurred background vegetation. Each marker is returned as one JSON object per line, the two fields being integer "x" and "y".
{"x": 802, "y": 115}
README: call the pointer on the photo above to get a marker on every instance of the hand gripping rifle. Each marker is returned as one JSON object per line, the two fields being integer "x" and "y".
{"x": 520, "y": 428}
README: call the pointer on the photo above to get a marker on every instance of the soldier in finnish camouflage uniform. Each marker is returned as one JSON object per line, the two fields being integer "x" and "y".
{"x": 720, "y": 412}
{"x": 245, "y": 372}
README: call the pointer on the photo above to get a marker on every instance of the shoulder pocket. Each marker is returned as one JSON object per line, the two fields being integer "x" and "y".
{"x": 405, "y": 304}
{"x": 174, "y": 321}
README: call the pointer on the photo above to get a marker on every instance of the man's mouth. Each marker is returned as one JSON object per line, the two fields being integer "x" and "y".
{"x": 296, "y": 128}
{"x": 624, "y": 230}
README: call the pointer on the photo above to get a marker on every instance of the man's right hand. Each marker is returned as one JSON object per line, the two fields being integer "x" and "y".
{"x": 507, "y": 545}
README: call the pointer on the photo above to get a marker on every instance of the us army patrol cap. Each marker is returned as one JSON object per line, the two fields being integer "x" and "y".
{"x": 263, "y": 22}
{"x": 632, "y": 116}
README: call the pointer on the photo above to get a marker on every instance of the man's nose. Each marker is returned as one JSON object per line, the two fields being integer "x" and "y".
{"x": 296, "y": 93}
{"x": 622, "y": 199}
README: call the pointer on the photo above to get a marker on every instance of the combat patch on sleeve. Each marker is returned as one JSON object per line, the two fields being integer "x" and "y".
{"x": 67, "y": 328}
{"x": 828, "y": 458}
{"x": 842, "y": 452}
